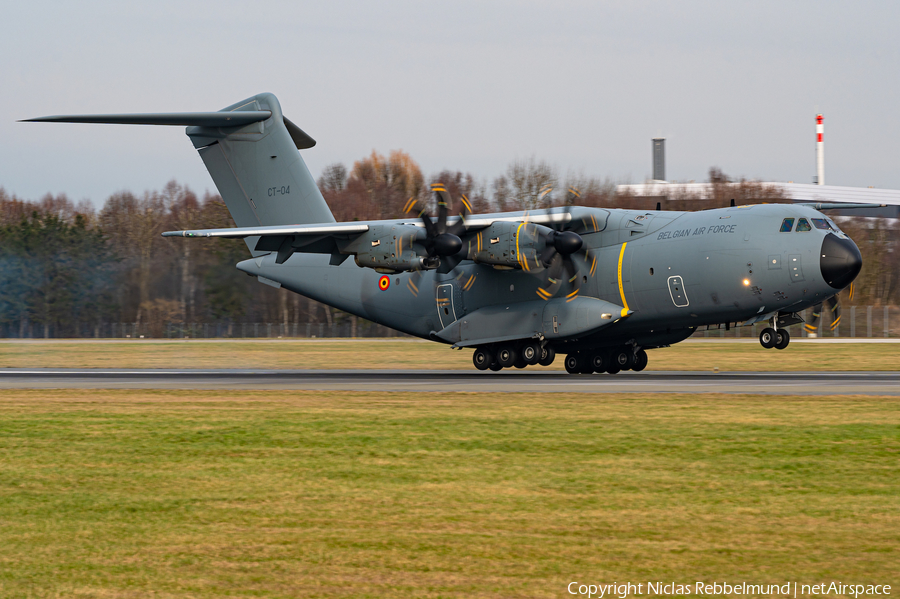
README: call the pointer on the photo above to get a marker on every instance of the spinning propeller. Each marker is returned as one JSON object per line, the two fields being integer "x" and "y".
{"x": 562, "y": 245}
{"x": 442, "y": 241}
{"x": 834, "y": 304}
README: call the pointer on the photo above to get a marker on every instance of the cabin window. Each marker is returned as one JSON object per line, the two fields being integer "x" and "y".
{"x": 786, "y": 225}
{"x": 803, "y": 225}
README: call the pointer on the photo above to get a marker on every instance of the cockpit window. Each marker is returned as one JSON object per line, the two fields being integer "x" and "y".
{"x": 803, "y": 225}
{"x": 834, "y": 225}
{"x": 821, "y": 223}
{"x": 786, "y": 225}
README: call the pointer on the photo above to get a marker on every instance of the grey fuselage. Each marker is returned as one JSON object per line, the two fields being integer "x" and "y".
{"x": 675, "y": 271}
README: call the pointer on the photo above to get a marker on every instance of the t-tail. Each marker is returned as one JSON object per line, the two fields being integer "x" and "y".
{"x": 251, "y": 151}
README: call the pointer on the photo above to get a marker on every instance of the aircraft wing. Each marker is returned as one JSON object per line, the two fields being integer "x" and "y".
{"x": 286, "y": 239}
{"x": 839, "y": 206}
{"x": 277, "y": 230}
{"x": 332, "y": 238}
{"x": 473, "y": 223}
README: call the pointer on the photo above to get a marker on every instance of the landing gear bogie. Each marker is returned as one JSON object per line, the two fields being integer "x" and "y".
{"x": 483, "y": 358}
{"x": 640, "y": 360}
{"x": 507, "y": 356}
{"x": 531, "y": 353}
{"x": 573, "y": 363}
{"x": 548, "y": 354}
{"x": 623, "y": 358}
{"x": 599, "y": 361}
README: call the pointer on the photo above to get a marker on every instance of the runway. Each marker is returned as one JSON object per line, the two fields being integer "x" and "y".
{"x": 772, "y": 383}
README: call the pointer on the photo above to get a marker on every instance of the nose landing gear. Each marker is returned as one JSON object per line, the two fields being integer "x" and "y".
{"x": 777, "y": 338}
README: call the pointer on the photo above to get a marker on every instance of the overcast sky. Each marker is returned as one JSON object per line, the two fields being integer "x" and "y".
{"x": 462, "y": 85}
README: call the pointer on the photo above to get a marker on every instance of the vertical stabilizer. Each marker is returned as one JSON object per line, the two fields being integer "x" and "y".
{"x": 258, "y": 170}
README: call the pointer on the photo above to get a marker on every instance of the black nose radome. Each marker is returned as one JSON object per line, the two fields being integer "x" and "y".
{"x": 840, "y": 261}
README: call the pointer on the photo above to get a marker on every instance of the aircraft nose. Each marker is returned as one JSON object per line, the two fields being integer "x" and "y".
{"x": 840, "y": 261}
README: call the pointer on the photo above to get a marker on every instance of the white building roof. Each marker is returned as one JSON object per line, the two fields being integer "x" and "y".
{"x": 799, "y": 192}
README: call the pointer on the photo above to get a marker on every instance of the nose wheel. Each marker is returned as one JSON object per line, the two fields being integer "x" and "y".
{"x": 779, "y": 339}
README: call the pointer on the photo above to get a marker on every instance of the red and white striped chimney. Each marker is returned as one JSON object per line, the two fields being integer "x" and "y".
{"x": 820, "y": 150}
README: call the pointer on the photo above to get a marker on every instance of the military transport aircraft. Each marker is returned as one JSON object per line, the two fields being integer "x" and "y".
{"x": 601, "y": 286}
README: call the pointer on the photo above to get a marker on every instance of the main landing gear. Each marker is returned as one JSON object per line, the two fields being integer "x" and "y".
{"x": 529, "y": 353}
{"x": 608, "y": 361}
{"x": 777, "y": 338}
{"x": 511, "y": 355}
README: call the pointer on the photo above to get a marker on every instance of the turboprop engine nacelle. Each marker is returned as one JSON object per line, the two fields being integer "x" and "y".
{"x": 509, "y": 245}
{"x": 389, "y": 249}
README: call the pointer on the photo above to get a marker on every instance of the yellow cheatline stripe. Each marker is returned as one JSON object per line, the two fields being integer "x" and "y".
{"x": 543, "y": 293}
{"x": 574, "y": 192}
{"x": 522, "y": 263}
{"x": 399, "y": 246}
{"x": 621, "y": 287}
{"x": 851, "y": 291}
{"x": 438, "y": 187}
{"x": 469, "y": 283}
{"x": 409, "y": 205}
{"x": 412, "y": 285}
{"x": 573, "y": 294}
{"x": 810, "y": 328}
{"x": 465, "y": 202}
{"x": 835, "y": 323}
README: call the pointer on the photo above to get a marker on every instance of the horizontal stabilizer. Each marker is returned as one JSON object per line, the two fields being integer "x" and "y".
{"x": 184, "y": 119}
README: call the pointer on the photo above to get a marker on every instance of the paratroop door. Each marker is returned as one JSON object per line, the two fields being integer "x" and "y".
{"x": 445, "y": 305}
{"x": 676, "y": 290}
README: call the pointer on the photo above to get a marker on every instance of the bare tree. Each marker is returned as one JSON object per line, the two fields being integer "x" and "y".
{"x": 531, "y": 183}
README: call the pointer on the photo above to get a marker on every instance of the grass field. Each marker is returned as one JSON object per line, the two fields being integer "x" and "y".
{"x": 413, "y": 354}
{"x": 114, "y": 494}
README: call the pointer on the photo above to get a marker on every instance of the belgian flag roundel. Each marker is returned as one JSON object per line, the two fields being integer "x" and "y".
{"x": 384, "y": 283}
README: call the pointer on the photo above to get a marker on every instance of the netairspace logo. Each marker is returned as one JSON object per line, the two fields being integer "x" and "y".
{"x": 789, "y": 589}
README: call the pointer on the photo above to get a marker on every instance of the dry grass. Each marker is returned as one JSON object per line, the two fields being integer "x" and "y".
{"x": 323, "y": 494}
{"x": 412, "y": 354}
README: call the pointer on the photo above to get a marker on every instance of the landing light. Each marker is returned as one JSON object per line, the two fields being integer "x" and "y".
{"x": 746, "y": 282}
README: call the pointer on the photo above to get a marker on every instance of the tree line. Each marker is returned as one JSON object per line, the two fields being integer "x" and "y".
{"x": 67, "y": 267}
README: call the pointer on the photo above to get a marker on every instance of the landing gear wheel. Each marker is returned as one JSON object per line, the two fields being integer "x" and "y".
{"x": 782, "y": 339}
{"x": 767, "y": 338}
{"x": 613, "y": 368}
{"x": 573, "y": 364}
{"x": 482, "y": 358}
{"x": 599, "y": 361}
{"x": 531, "y": 353}
{"x": 547, "y": 356}
{"x": 520, "y": 362}
{"x": 640, "y": 361}
{"x": 506, "y": 356}
{"x": 623, "y": 358}
{"x": 495, "y": 367}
